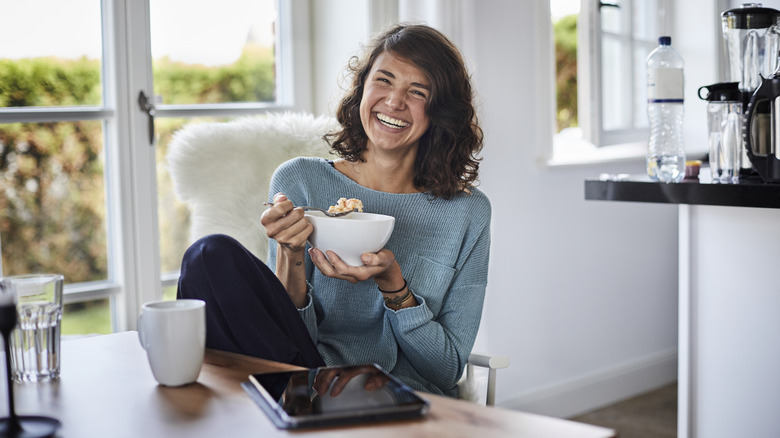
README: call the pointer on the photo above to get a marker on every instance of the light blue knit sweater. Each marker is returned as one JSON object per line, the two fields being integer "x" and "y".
{"x": 442, "y": 247}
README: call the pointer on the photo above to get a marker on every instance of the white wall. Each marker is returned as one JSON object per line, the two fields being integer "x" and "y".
{"x": 582, "y": 295}
{"x": 339, "y": 27}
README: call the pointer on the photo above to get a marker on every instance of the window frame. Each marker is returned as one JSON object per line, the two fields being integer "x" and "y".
{"x": 134, "y": 275}
{"x": 589, "y": 71}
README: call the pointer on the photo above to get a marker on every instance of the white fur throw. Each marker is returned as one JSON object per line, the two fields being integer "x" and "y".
{"x": 222, "y": 170}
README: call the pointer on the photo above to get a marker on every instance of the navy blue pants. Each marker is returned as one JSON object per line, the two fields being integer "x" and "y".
{"x": 248, "y": 310}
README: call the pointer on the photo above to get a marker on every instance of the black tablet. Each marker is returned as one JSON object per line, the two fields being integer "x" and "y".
{"x": 331, "y": 396}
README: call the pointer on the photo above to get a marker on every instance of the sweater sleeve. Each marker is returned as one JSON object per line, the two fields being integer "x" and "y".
{"x": 438, "y": 346}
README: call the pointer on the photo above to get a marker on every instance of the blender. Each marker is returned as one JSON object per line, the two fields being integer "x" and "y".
{"x": 752, "y": 40}
{"x": 725, "y": 102}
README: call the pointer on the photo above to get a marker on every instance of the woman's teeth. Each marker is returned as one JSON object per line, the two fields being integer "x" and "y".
{"x": 391, "y": 122}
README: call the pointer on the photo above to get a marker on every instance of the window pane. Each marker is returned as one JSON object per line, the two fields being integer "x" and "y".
{"x": 169, "y": 292}
{"x": 565, "y": 14}
{"x": 86, "y": 318}
{"x": 646, "y": 20}
{"x": 53, "y": 199}
{"x": 613, "y": 19}
{"x": 640, "y": 88}
{"x": 616, "y": 84}
{"x": 51, "y": 53}
{"x": 194, "y": 65}
{"x": 173, "y": 215}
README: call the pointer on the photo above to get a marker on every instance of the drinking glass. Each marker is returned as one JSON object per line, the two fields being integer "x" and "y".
{"x": 35, "y": 344}
{"x": 17, "y": 426}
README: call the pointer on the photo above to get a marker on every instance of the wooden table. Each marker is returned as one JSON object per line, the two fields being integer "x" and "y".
{"x": 106, "y": 389}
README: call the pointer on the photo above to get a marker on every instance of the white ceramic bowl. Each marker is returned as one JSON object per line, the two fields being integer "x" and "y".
{"x": 350, "y": 236}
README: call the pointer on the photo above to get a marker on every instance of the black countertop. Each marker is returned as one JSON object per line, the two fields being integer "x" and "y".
{"x": 750, "y": 192}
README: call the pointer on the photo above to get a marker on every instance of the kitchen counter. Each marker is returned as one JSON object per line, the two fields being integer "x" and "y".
{"x": 701, "y": 191}
{"x": 728, "y": 241}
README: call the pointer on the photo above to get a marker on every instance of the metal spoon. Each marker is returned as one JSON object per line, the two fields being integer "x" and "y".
{"x": 325, "y": 212}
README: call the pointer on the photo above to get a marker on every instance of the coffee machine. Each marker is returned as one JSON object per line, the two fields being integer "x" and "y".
{"x": 765, "y": 158}
{"x": 751, "y": 35}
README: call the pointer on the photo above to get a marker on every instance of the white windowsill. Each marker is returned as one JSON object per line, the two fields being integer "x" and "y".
{"x": 572, "y": 150}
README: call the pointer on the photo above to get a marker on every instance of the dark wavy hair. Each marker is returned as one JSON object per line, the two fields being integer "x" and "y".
{"x": 447, "y": 162}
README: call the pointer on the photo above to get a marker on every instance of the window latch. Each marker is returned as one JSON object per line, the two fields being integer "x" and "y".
{"x": 603, "y": 4}
{"x": 147, "y": 107}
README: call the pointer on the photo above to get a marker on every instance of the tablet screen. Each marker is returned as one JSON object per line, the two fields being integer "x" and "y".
{"x": 334, "y": 395}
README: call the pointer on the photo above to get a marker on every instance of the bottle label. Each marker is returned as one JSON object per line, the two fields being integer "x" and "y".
{"x": 664, "y": 85}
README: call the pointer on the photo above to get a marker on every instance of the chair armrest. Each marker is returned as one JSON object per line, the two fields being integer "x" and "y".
{"x": 493, "y": 363}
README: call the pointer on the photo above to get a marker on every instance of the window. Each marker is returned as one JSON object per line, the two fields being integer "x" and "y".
{"x": 212, "y": 74}
{"x": 53, "y": 153}
{"x": 611, "y": 41}
{"x": 83, "y": 190}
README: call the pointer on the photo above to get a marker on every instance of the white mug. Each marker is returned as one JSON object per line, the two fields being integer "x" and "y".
{"x": 173, "y": 333}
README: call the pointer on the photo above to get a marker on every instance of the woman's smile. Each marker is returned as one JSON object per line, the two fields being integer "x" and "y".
{"x": 391, "y": 122}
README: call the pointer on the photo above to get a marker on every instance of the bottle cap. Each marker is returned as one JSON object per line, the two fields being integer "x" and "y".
{"x": 665, "y": 40}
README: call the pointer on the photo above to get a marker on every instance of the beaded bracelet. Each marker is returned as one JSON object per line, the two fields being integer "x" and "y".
{"x": 393, "y": 291}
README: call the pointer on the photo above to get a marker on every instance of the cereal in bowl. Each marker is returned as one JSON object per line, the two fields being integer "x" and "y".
{"x": 345, "y": 204}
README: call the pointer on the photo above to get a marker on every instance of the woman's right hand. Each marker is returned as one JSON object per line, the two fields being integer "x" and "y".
{"x": 286, "y": 224}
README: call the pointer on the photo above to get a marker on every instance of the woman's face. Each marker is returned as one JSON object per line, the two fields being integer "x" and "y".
{"x": 392, "y": 108}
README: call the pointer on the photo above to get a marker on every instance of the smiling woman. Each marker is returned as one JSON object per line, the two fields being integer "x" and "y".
{"x": 408, "y": 140}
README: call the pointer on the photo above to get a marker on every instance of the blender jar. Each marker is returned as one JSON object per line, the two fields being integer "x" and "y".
{"x": 752, "y": 42}
{"x": 724, "y": 130}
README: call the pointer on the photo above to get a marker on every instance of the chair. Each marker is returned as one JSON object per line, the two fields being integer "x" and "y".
{"x": 222, "y": 170}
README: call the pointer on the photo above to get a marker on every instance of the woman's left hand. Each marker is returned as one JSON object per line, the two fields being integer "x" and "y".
{"x": 375, "y": 265}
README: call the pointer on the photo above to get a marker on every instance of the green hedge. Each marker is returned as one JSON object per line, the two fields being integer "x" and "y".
{"x": 52, "y": 190}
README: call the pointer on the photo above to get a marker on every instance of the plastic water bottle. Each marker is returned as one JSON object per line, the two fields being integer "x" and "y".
{"x": 665, "y": 150}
